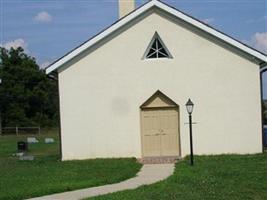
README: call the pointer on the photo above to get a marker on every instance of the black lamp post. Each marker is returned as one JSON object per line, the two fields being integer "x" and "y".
{"x": 189, "y": 108}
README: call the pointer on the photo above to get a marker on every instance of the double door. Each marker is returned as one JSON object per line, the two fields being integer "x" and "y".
{"x": 160, "y": 132}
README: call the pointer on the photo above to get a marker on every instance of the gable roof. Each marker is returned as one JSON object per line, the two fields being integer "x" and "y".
{"x": 173, "y": 11}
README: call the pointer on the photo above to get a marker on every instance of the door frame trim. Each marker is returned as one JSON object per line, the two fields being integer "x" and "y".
{"x": 143, "y": 107}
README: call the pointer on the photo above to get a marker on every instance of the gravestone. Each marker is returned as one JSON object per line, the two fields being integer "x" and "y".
{"x": 49, "y": 140}
{"x": 18, "y": 154}
{"x": 22, "y": 146}
{"x": 26, "y": 158}
{"x": 32, "y": 140}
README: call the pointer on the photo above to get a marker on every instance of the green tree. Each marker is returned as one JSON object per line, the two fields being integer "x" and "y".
{"x": 264, "y": 107}
{"x": 28, "y": 97}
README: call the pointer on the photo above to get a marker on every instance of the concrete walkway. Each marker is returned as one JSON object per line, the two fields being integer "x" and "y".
{"x": 149, "y": 173}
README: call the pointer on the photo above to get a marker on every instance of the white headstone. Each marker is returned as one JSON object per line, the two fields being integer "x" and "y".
{"x": 49, "y": 140}
{"x": 32, "y": 140}
{"x": 18, "y": 154}
{"x": 26, "y": 157}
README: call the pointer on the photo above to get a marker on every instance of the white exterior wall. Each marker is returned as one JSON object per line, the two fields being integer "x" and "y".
{"x": 101, "y": 92}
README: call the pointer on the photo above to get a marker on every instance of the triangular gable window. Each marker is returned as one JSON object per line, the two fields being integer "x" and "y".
{"x": 157, "y": 49}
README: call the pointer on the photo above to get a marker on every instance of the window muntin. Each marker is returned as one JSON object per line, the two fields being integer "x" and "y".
{"x": 157, "y": 49}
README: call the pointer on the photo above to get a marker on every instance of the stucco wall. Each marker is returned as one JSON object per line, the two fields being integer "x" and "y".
{"x": 102, "y": 89}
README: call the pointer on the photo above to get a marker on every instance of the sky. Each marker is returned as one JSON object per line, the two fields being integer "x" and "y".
{"x": 48, "y": 29}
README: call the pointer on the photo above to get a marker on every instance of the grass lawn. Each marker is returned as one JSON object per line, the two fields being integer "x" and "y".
{"x": 225, "y": 177}
{"x": 47, "y": 175}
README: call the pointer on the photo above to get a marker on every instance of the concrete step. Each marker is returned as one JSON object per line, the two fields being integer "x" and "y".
{"x": 159, "y": 160}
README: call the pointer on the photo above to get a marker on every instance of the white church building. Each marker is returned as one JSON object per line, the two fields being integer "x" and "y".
{"x": 123, "y": 92}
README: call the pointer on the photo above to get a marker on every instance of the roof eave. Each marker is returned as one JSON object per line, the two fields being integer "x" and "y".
{"x": 100, "y": 36}
{"x": 240, "y": 46}
{"x": 212, "y": 31}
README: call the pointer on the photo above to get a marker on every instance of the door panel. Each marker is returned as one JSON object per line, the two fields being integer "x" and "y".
{"x": 169, "y": 133}
{"x": 151, "y": 136}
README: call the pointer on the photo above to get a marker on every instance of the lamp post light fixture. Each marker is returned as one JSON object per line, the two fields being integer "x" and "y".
{"x": 189, "y": 107}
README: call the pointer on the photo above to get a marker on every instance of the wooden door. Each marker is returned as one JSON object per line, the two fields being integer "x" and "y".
{"x": 160, "y": 132}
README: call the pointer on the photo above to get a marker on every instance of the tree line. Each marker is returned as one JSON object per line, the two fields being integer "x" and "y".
{"x": 28, "y": 97}
{"x": 264, "y": 107}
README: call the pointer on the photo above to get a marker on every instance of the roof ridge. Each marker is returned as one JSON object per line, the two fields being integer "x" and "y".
{"x": 169, "y": 9}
